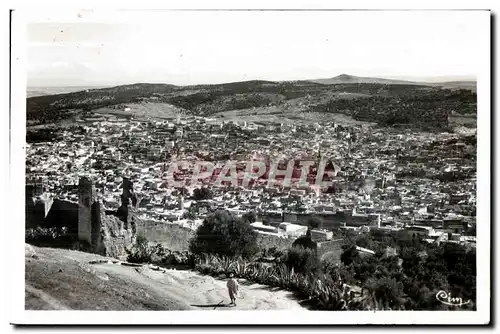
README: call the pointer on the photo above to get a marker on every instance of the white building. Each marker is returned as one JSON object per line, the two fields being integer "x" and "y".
{"x": 293, "y": 230}
{"x": 321, "y": 235}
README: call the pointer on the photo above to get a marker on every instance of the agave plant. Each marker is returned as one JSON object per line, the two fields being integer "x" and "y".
{"x": 240, "y": 267}
{"x": 262, "y": 274}
{"x": 284, "y": 275}
{"x": 226, "y": 263}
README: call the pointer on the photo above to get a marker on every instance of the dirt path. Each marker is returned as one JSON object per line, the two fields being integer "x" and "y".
{"x": 62, "y": 279}
{"x": 205, "y": 292}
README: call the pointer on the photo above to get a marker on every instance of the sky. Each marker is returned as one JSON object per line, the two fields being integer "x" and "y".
{"x": 99, "y": 48}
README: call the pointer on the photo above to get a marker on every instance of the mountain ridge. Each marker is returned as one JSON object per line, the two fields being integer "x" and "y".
{"x": 347, "y": 78}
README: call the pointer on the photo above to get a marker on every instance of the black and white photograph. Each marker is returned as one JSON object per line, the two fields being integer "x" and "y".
{"x": 326, "y": 164}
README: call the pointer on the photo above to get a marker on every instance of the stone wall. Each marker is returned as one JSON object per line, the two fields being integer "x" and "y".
{"x": 36, "y": 209}
{"x": 63, "y": 214}
{"x": 89, "y": 227}
{"x": 330, "y": 250}
{"x": 113, "y": 232}
{"x": 114, "y": 237}
{"x": 269, "y": 241}
{"x": 171, "y": 236}
{"x": 329, "y": 221}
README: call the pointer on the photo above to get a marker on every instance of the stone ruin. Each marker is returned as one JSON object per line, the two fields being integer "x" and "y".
{"x": 106, "y": 232}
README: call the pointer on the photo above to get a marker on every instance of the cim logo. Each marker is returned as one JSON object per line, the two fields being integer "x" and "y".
{"x": 446, "y": 298}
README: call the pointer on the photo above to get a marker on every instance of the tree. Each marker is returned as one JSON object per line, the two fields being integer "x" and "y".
{"x": 314, "y": 222}
{"x": 202, "y": 194}
{"x": 387, "y": 291}
{"x": 364, "y": 240}
{"x": 302, "y": 260}
{"x": 305, "y": 241}
{"x": 224, "y": 234}
{"x": 250, "y": 217}
{"x": 349, "y": 255}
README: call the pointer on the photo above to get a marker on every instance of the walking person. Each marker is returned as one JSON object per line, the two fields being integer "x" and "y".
{"x": 232, "y": 288}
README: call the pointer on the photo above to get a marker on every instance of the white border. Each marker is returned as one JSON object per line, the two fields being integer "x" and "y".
{"x": 16, "y": 198}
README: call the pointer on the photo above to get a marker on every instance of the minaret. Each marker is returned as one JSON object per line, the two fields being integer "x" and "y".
{"x": 86, "y": 198}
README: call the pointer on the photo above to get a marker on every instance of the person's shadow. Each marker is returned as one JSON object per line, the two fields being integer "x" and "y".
{"x": 215, "y": 306}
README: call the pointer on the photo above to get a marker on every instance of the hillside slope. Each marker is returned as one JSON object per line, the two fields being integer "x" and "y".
{"x": 59, "y": 279}
{"x": 385, "y": 102}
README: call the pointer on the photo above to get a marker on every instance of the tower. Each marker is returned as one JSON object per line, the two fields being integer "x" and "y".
{"x": 86, "y": 199}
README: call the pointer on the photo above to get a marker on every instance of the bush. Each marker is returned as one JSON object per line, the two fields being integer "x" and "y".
{"x": 225, "y": 234}
{"x": 302, "y": 260}
{"x": 141, "y": 252}
{"x": 314, "y": 222}
{"x": 202, "y": 194}
{"x": 305, "y": 242}
{"x": 349, "y": 255}
{"x": 250, "y": 217}
{"x": 50, "y": 237}
{"x": 387, "y": 291}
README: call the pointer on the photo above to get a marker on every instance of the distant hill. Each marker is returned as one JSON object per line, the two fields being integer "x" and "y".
{"x": 350, "y": 79}
{"x": 41, "y": 91}
{"x": 472, "y": 85}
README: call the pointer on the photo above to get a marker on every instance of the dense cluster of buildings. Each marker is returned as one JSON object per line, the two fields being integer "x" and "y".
{"x": 385, "y": 180}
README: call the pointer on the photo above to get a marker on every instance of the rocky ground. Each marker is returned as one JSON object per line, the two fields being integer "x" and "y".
{"x": 59, "y": 279}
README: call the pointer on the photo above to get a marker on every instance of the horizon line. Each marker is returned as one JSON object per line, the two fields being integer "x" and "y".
{"x": 424, "y": 79}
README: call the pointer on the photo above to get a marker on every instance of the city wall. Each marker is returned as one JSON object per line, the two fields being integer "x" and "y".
{"x": 330, "y": 250}
{"x": 87, "y": 223}
{"x": 329, "y": 221}
{"x": 63, "y": 214}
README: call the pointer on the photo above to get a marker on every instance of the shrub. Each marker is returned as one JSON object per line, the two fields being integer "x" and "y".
{"x": 250, "y": 217}
{"x": 349, "y": 255}
{"x": 202, "y": 194}
{"x": 321, "y": 290}
{"x": 314, "y": 222}
{"x": 49, "y": 237}
{"x": 141, "y": 252}
{"x": 305, "y": 242}
{"x": 302, "y": 260}
{"x": 387, "y": 291}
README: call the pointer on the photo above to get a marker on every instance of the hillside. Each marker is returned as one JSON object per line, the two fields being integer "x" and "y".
{"x": 58, "y": 279}
{"x": 385, "y": 101}
{"x": 471, "y": 85}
